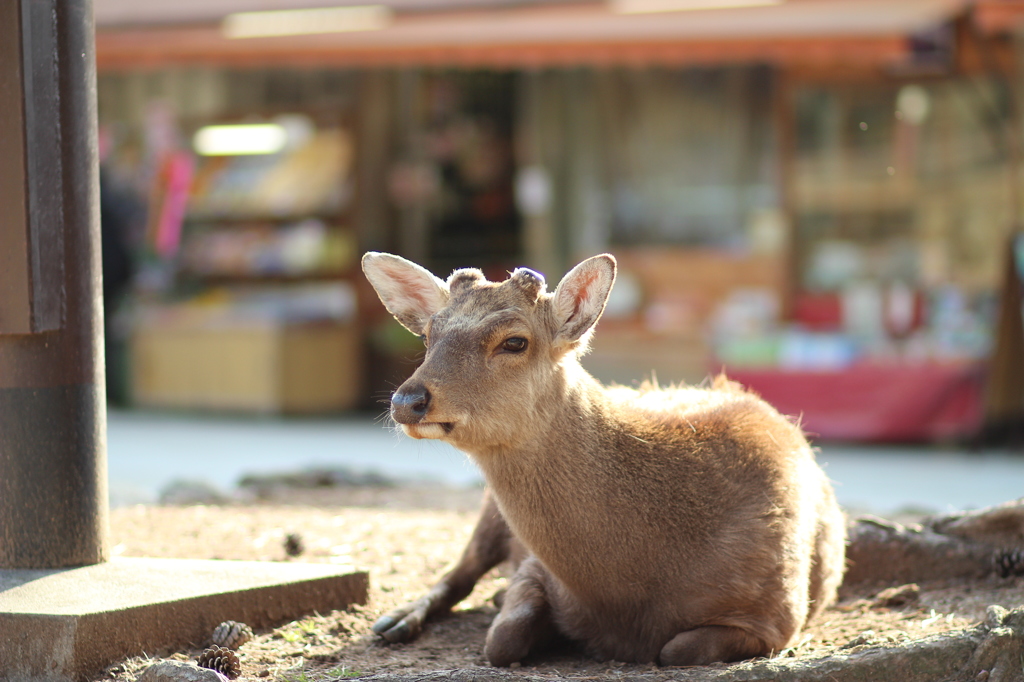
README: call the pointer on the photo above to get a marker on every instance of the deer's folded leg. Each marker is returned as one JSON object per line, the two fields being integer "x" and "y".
{"x": 490, "y": 545}
{"x": 524, "y": 621}
{"x": 705, "y": 645}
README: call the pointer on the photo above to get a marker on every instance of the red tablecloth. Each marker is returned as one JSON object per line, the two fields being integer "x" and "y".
{"x": 876, "y": 403}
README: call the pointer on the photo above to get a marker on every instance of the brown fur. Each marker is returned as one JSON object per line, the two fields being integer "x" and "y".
{"x": 677, "y": 525}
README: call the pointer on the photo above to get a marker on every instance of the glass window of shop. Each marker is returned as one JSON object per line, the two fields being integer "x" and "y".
{"x": 690, "y": 155}
{"x": 902, "y": 198}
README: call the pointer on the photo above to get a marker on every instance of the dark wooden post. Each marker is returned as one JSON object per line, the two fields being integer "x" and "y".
{"x": 53, "y": 478}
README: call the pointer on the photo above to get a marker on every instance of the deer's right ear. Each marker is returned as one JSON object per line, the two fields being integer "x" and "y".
{"x": 408, "y": 291}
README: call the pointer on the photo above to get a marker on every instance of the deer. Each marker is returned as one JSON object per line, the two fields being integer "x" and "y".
{"x": 680, "y": 525}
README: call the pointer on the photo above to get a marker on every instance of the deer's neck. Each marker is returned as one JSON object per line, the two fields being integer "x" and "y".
{"x": 555, "y": 486}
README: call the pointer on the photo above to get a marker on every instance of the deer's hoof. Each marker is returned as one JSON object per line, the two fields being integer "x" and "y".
{"x": 399, "y": 633}
{"x": 403, "y": 631}
{"x": 383, "y": 624}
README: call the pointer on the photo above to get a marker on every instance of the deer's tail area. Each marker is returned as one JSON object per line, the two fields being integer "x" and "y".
{"x": 829, "y": 560}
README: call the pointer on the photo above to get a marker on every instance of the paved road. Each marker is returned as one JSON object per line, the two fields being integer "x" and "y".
{"x": 147, "y": 451}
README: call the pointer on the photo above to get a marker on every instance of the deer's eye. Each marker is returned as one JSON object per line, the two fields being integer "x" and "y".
{"x": 514, "y": 344}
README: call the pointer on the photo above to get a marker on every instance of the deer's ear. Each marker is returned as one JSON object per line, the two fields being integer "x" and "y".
{"x": 408, "y": 291}
{"x": 580, "y": 298}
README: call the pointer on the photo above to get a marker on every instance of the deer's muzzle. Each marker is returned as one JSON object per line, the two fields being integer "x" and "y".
{"x": 410, "y": 403}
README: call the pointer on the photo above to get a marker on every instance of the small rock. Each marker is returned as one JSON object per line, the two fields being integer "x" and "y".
{"x": 515, "y": 665}
{"x": 179, "y": 671}
{"x": 1015, "y": 619}
{"x": 317, "y": 478}
{"x": 898, "y": 596}
{"x": 184, "y": 493}
{"x": 995, "y": 615}
{"x": 866, "y": 637}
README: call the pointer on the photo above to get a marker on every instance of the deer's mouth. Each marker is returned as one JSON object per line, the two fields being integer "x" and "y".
{"x": 428, "y": 430}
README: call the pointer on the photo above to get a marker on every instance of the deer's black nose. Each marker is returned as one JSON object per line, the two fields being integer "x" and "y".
{"x": 410, "y": 403}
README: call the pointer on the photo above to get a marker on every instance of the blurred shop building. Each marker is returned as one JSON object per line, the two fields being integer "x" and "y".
{"x": 819, "y": 196}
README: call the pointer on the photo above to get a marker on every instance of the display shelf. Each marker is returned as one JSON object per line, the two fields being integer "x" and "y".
{"x": 312, "y": 178}
{"x": 287, "y": 250}
{"x": 259, "y": 314}
{"x": 272, "y": 218}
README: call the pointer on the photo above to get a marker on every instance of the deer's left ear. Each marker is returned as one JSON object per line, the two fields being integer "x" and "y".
{"x": 580, "y": 298}
{"x": 408, "y": 291}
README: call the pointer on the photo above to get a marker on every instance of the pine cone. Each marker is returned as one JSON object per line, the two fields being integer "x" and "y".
{"x": 293, "y": 545}
{"x": 1010, "y": 563}
{"x": 231, "y": 634}
{"x": 221, "y": 659}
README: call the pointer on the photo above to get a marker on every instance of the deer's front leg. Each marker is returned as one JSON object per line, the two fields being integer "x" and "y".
{"x": 525, "y": 619}
{"x": 492, "y": 543}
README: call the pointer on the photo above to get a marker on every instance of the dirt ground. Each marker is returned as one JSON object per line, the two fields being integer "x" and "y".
{"x": 405, "y": 537}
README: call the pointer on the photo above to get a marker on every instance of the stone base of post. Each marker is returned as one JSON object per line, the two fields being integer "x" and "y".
{"x": 66, "y": 625}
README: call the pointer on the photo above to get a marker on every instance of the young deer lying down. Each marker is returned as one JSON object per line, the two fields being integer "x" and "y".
{"x": 681, "y": 526}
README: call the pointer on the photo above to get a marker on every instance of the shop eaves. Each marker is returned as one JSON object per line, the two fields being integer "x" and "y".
{"x": 535, "y": 34}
